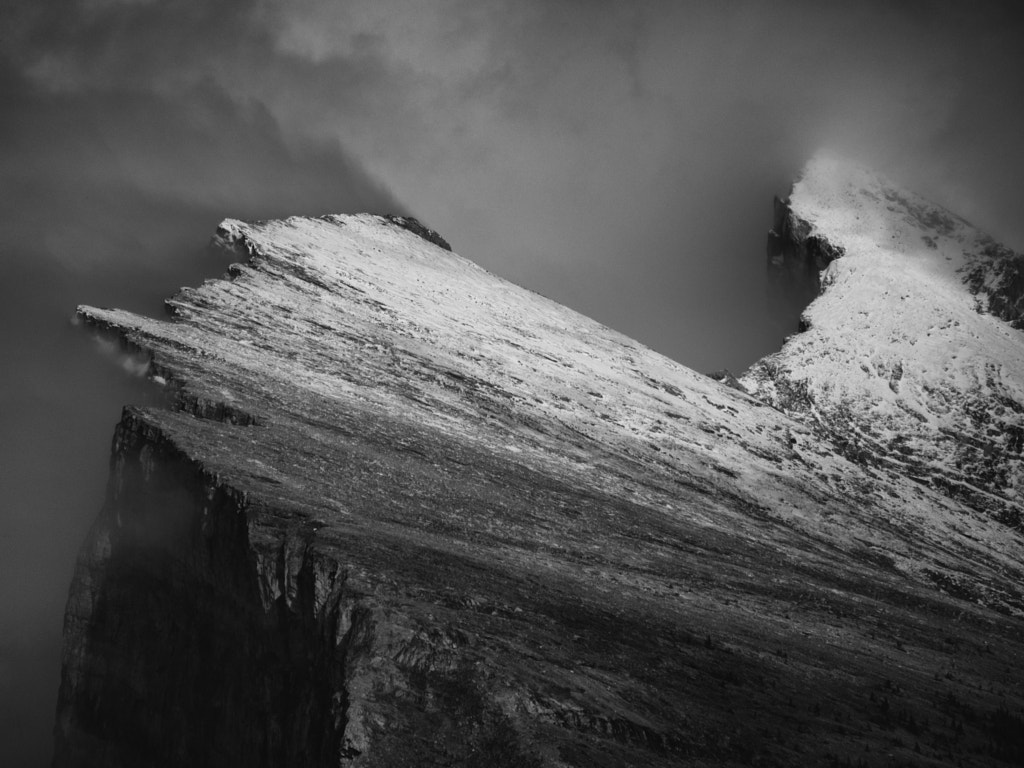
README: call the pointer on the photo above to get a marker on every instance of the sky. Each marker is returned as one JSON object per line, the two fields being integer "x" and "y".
{"x": 618, "y": 157}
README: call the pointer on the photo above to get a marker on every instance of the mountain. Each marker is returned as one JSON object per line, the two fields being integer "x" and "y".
{"x": 898, "y": 365}
{"x": 398, "y": 511}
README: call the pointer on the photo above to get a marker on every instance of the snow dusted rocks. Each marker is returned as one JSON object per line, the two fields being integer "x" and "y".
{"x": 912, "y": 355}
{"x": 401, "y": 512}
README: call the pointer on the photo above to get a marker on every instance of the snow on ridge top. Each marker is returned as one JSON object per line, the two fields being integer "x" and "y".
{"x": 846, "y": 202}
{"x": 364, "y": 287}
{"x": 390, "y": 230}
{"x": 901, "y": 363}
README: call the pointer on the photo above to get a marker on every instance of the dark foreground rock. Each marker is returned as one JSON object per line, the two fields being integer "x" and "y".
{"x": 400, "y": 512}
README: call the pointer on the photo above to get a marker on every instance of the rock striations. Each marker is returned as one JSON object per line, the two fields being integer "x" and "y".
{"x": 401, "y": 512}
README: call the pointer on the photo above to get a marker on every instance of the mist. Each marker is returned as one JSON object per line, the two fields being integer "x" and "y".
{"x": 617, "y": 157}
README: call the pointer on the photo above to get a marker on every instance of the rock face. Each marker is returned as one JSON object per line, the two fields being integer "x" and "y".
{"x": 796, "y": 259}
{"x": 401, "y": 512}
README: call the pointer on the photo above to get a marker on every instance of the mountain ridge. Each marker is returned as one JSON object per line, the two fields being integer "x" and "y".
{"x": 401, "y": 510}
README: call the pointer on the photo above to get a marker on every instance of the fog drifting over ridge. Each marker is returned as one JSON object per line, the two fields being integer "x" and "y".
{"x": 617, "y": 157}
{"x": 608, "y": 154}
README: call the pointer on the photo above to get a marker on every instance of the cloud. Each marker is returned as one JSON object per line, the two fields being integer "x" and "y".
{"x": 620, "y": 157}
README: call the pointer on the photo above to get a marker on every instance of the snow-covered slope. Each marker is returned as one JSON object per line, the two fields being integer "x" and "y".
{"x": 910, "y": 358}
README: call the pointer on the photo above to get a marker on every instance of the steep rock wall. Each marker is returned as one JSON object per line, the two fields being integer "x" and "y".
{"x": 174, "y": 644}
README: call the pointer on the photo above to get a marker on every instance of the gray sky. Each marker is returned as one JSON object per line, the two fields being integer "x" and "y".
{"x": 619, "y": 157}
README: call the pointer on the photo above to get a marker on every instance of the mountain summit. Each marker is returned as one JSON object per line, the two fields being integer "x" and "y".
{"x": 912, "y": 356}
{"x": 402, "y": 512}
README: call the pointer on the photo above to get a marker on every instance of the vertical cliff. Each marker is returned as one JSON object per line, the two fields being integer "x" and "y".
{"x": 173, "y": 646}
{"x": 402, "y": 512}
{"x": 796, "y": 259}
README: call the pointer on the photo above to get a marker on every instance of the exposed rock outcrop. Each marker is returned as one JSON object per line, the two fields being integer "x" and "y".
{"x": 796, "y": 259}
{"x": 401, "y": 512}
{"x": 997, "y": 274}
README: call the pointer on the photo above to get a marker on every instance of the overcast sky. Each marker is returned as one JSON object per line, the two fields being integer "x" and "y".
{"x": 619, "y": 157}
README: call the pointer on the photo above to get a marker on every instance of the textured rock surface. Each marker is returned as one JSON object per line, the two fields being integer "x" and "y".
{"x": 401, "y": 512}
